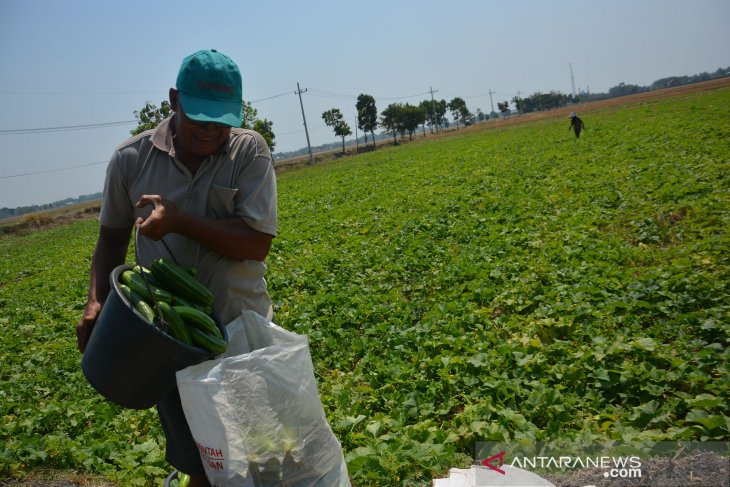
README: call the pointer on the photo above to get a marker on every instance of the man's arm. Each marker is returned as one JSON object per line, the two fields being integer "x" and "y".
{"x": 231, "y": 237}
{"x": 111, "y": 251}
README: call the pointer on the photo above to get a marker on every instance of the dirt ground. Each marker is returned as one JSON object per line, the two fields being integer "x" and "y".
{"x": 700, "y": 470}
{"x": 60, "y": 480}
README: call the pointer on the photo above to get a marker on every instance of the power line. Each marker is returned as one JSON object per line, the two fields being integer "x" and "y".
{"x": 270, "y": 97}
{"x": 53, "y": 170}
{"x": 64, "y": 128}
{"x": 76, "y": 93}
{"x": 311, "y": 129}
{"x": 344, "y": 96}
{"x": 488, "y": 93}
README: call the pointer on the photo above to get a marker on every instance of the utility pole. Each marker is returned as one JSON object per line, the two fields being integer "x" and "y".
{"x": 490, "y": 100}
{"x": 572, "y": 80}
{"x": 299, "y": 92}
{"x": 357, "y": 142}
{"x": 433, "y": 106}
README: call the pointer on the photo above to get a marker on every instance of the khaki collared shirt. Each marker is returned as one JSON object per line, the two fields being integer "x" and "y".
{"x": 239, "y": 181}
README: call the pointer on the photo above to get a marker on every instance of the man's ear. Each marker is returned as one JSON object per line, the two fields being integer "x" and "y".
{"x": 173, "y": 99}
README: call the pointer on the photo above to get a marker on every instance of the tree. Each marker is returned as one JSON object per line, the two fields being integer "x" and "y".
{"x": 249, "y": 116}
{"x": 503, "y": 107}
{"x": 333, "y": 118}
{"x": 441, "y": 108}
{"x": 458, "y": 109}
{"x": 264, "y": 127}
{"x": 429, "y": 108}
{"x": 518, "y": 104}
{"x": 540, "y": 101}
{"x": 367, "y": 115}
{"x": 390, "y": 119}
{"x": 411, "y": 117}
{"x": 623, "y": 89}
{"x": 151, "y": 116}
{"x": 251, "y": 121}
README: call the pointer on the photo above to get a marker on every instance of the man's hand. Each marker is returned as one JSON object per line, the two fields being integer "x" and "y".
{"x": 164, "y": 218}
{"x": 86, "y": 324}
{"x": 230, "y": 237}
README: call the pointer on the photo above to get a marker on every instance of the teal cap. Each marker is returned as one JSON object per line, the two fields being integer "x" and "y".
{"x": 209, "y": 87}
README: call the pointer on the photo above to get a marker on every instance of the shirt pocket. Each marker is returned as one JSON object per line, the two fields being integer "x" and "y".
{"x": 222, "y": 201}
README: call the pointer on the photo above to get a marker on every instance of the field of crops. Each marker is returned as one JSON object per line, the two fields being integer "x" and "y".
{"x": 497, "y": 285}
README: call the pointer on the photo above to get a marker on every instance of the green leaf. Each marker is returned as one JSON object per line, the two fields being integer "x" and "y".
{"x": 708, "y": 421}
{"x": 705, "y": 401}
{"x": 647, "y": 344}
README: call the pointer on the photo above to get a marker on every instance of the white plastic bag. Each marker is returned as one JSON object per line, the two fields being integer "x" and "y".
{"x": 256, "y": 415}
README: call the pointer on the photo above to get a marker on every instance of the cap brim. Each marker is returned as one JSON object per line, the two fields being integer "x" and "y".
{"x": 217, "y": 111}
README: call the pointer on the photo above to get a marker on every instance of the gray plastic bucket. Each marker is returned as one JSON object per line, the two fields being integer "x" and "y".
{"x": 130, "y": 362}
{"x": 170, "y": 478}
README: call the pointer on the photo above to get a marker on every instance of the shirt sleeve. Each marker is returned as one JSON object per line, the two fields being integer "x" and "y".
{"x": 116, "y": 209}
{"x": 256, "y": 200}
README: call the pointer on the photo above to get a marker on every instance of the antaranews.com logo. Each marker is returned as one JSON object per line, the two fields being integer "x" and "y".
{"x": 615, "y": 467}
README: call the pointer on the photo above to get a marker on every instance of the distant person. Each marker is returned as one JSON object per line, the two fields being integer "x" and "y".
{"x": 209, "y": 188}
{"x": 576, "y": 124}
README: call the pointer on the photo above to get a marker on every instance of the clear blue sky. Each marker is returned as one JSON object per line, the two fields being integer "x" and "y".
{"x": 81, "y": 62}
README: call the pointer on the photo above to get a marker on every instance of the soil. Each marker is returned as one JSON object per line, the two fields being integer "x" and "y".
{"x": 700, "y": 470}
{"x": 71, "y": 481}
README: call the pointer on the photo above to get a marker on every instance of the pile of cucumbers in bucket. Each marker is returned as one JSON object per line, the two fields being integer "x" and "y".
{"x": 184, "y": 303}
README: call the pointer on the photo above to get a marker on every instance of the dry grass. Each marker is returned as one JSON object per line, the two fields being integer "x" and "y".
{"x": 47, "y": 218}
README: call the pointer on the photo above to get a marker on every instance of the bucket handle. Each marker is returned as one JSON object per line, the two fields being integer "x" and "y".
{"x": 160, "y": 323}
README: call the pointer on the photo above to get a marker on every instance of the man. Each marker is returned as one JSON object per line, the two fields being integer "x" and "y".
{"x": 209, "y": 189}
{"x": 576, "y": 124}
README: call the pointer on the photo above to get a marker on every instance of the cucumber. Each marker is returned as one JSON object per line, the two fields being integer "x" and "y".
{"x": 137, "y": 303}
{"x": 195, "y": 318}
{"x": 145, "y": 310}
{"x": 136, "y": 283}
{"x": 180, "y": 301}
{"x": 147, "y": 274}
{"x": 209, "y": 342}
{"x": 126, "y": 292}
{"x": 177, "y": 280}
{"x": 176, "y": 327}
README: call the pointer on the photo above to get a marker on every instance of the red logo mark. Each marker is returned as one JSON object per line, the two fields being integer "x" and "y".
{"x": 215, "y": 86}
{"x": 488, "y": 462}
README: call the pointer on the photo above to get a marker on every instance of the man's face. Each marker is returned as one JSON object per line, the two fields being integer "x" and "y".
{"x": 197, "y": 139}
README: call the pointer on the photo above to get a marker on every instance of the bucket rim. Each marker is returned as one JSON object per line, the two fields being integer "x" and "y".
{"x": 114, "y": 281}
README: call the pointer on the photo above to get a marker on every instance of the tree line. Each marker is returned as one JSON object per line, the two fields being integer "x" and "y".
{"x": 6, "y": 212}
{"x": 404, "y": 118}
{"x": 397, "y": 118}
